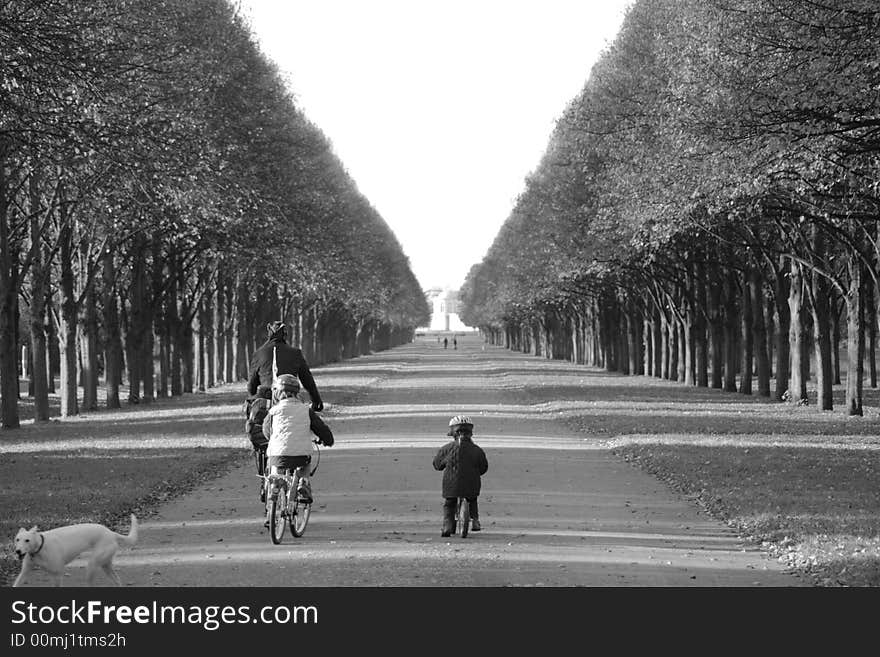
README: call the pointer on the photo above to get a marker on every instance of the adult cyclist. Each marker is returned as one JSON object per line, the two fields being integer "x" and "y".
{"x": 275, "y": 357}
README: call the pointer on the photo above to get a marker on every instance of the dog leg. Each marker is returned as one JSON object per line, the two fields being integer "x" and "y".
{"x": 112, "y": 574}
{"x": 91, "y": 572}
{"x": 103, "y": 558}
{"x": 25, "y": 569}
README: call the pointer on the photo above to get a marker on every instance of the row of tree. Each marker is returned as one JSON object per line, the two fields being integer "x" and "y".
{"x": 161, "y": 199}
{"x": 707, "y": 208}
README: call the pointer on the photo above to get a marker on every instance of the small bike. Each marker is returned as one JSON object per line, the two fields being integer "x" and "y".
{"x": 284, "y": 504}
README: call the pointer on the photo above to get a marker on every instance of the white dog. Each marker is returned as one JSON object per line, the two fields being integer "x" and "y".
{"x": 52, "y": 550}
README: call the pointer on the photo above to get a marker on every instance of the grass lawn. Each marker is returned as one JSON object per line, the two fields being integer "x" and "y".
{"x": 816, "y": 508}
{"x": 802, "y": 483}
{"x": 103, "y": 466}
{"x": 97, "y": 485}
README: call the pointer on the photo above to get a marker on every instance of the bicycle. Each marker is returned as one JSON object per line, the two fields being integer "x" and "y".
{"x": 284, "y": 506}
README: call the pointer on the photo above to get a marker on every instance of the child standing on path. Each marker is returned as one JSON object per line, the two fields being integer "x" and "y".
{"x": 463, "y": 463}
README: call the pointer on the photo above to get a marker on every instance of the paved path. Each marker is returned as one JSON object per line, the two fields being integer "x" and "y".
{"x": 558, "y": 508}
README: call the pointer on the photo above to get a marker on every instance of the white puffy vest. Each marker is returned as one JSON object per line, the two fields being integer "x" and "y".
{"x": 291, "y": 435}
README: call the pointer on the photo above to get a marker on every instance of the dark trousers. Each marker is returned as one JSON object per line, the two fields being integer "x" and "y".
{"x": 260, "y": 459}
{"x": 449, "y": 504}
{"x": 291, "y": 463}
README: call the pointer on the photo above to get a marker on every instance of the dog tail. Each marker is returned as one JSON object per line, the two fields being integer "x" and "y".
{"x": 132, "y": 537}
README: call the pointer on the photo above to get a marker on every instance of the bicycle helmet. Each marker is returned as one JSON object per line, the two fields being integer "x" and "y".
{"x": 286, "y": 383}
{"x": 459, "y": 422}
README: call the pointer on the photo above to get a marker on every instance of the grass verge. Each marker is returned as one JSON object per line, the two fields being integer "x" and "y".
{"x": 814, "y": 507}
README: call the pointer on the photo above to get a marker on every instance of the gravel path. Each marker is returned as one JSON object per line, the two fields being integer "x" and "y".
{"x": 558, "y": 509}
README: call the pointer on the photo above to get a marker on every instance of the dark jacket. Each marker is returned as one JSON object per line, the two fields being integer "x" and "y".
{"x": 290, "y": 361}
{"x": 463, "y": 463}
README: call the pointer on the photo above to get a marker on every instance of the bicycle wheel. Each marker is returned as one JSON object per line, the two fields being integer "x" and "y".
{"x": 464, "y": 516}
{"x": 299, "y": 518}
{"x": 277, "y": 516}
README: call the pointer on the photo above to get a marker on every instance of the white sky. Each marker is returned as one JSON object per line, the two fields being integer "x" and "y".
{"x": 438, "y": 110}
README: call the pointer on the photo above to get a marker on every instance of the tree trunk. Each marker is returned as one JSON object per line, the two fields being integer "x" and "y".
{"x": 138, "y": 318}
{"x": 783, "y": 327}
{"x": 822, "y": 333}
{"x": 716, "y": 332}
{"x": 688, "y": 366}
{"x": 855, "y": 338}
{"x": 8, "y": 299}
{"x": 185, "y": 343}
{"x": 657, "y": 340}
{"x": 798, "y": 385}
{"x": 871, "y": 321}
{"x": 759, "y": 330}
{"x": 89, "y": 347}
{"x": 835, "y": 337}
{"x": 53, "y": 357}
{"x": 164, "y": 359}
{"x": 219, "y": 335}
{"x": 674, "y": 353}
{"x": 731, "y": 321}
{"x": 67, "y": 316}
{"x": 682, "y": 350}
{"x": 172, "y": 319}
{"x": 229, "y": 333}
{"x": 39, "y": 288}
{"x": 112, "y": 334}
{"x": 632, "y": 347}
{"x": 148, "y": 359}
{"x": 701, "y": 344}
{"x": 241, "y": 360}
{"x": 745, "y": 382}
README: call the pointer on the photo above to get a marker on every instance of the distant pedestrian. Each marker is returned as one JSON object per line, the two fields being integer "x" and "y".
{"x": 454, "y": 342}
{"x": 445, "y": 343}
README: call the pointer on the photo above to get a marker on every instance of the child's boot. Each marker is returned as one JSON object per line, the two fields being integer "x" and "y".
{"x": 304, "y": 491}
{"x": 475, "y": 525}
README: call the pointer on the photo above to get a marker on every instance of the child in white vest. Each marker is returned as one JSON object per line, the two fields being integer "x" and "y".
{"x": 291, "y": 425}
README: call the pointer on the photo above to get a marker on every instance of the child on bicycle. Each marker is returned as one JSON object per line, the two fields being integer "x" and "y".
{"x": 290, "y": 425}
{"x": 463, "y": 463}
